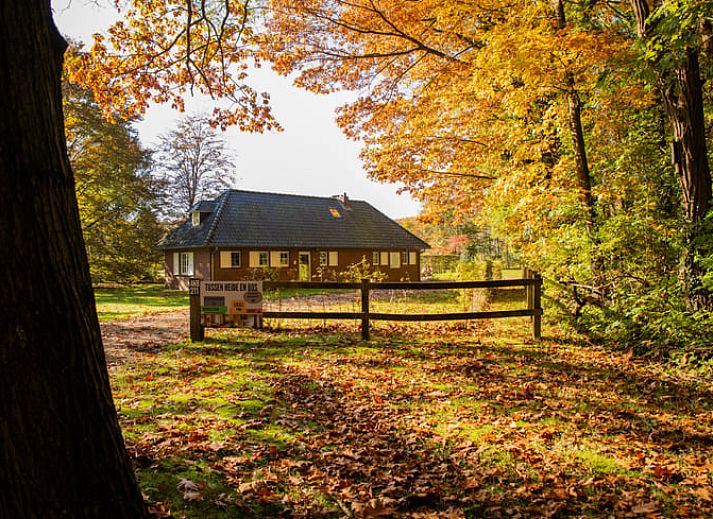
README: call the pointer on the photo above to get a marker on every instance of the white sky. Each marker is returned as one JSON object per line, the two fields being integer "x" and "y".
{"x": 310, "y": 157}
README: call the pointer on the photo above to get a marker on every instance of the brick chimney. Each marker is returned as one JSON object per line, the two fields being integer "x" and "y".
{"x": 344, "y": 199}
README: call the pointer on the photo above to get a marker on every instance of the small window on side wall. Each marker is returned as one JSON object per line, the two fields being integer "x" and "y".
{"x": 413, "y": 258}
{"x": 323, "y": 259}
{"x": 375, "y": 258}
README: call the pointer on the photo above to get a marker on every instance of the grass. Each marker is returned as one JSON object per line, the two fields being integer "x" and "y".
{"x": 422, "y": 421}
{"x": 123, "y": 302}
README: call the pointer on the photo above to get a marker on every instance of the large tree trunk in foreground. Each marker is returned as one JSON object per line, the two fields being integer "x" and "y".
{"x": 61, "y": 450}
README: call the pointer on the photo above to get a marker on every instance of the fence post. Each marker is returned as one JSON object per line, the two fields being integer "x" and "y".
{"x": 529, "y": 291}
{"x": 365, "y": 309}
{"x": 537, "y": 307}
{"x": 194, "y": 297}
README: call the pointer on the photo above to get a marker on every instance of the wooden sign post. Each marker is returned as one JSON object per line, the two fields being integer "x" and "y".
{"x": 194, "y": 296}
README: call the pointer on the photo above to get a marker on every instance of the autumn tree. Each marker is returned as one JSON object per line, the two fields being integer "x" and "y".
{"x": 193, "y": 164}
{"x": 462, "y": 102}
{"x": 61, "y": 450}
{"x": 116, "y": 192}
{"x": 536, "y": 118}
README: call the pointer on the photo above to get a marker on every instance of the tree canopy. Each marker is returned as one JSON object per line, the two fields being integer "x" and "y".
{"x": 574, "y": 130}
{"x": 117, "y": 194}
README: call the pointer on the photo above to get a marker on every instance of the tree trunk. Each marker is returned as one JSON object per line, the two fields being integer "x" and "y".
{"x": 574, "y": 107}
{"x": 681, "y": 89}
{"x": 61, "y": 450}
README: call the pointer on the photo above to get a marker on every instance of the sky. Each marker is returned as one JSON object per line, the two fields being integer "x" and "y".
{"x": 310, "y": 157}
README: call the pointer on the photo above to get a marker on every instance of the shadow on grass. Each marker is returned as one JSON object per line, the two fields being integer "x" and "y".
{"x": 299, "y": 424}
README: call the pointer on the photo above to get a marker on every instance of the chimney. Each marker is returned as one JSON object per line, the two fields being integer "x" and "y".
{"x": 344, "y": 199}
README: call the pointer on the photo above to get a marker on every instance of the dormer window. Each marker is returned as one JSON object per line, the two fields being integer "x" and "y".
{"x": 198, "y": 217}
{"x": 335, "y": 212}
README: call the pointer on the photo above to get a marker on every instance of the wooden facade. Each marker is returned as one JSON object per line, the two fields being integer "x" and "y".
{"x": 287, "y": 264}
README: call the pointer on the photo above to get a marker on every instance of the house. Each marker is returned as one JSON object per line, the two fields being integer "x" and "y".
{"x": 253, "y": 235}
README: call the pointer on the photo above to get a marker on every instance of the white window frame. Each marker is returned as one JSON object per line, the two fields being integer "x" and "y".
{"x": 413, "y": 258}
{"x": 183, "y": 264}
{"x": 395, "y": 260}
{"x": 285, "y": 258}
{"x": 384, "y": 258}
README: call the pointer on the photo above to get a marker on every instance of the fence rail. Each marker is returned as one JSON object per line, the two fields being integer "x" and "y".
{"x": 531, "y": 281}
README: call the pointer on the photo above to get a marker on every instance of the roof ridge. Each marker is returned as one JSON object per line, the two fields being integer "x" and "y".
{"x": 218, "y": 213}
{"x": 288, "y": 195}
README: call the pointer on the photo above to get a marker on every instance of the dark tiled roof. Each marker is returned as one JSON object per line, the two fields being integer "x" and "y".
{"x": 204, "y": 206}
{"x": 252, "y": 219}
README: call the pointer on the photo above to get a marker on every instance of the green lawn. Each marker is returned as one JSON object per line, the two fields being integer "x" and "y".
{"x": 118, "y": 303}
{"x": 431, "y": 420}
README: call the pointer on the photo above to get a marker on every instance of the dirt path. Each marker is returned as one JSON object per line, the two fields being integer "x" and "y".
{"x": 125, "y": 338}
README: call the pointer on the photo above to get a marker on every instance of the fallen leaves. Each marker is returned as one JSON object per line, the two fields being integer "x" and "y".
{"x": 412, "y": 426}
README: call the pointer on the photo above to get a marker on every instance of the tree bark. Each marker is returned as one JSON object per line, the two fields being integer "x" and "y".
{"x": 574, "y": 107}
{"x": 681, "y": 89}
{"x": 61, "y": 450}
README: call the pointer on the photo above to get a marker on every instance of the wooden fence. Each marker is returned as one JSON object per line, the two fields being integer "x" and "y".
{"x": 531, "y": 282}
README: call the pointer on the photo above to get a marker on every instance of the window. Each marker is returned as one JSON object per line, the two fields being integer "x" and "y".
{"x": 196, "y": 218}
{"x": 229, "y": 259}
{"x": 183, "y": 263}
{"x": 335, "y": 212}
{"x": 323, "y": 259}
{"x": 384, "y": 258}
{"x": 394, "y": 260}
{"x": 333, "y": 258}
{"x": 259, "y": 259}
{"x": 404, "y": 258}
{"x": 279, "y": 259}
{"x": 413, "y": 258}
{"x": 375, "y": 258}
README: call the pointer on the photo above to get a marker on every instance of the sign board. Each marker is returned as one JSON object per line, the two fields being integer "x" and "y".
{"x": 194, "y": 287}
{"x": 231, "y": 303}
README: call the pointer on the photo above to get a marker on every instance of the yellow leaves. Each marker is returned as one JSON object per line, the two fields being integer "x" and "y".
{"x": 162, "y": 49}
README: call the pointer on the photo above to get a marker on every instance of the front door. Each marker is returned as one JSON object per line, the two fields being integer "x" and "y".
{"x": 305, "y": 270}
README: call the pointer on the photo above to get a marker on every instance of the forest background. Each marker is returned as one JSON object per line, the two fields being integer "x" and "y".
{"x": 575, "y": 132}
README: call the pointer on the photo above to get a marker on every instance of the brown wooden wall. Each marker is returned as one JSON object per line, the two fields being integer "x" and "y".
{"x": 207, "y": 266}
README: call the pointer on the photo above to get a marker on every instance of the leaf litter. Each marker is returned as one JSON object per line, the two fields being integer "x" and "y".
{"x": 420, "y": 422}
